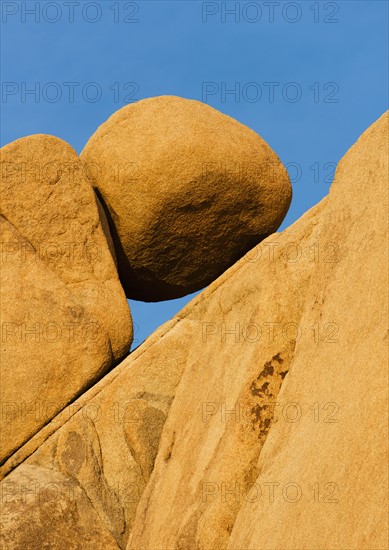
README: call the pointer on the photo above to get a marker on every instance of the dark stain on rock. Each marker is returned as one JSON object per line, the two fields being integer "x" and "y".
{"x": 264, "y": 390}
{"x": 170, "y": 448}
{"x": 73, "y": 454}
{"x": 268, "y": 370}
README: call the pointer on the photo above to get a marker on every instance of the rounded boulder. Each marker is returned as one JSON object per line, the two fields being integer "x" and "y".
{"x": 187, "y": 192}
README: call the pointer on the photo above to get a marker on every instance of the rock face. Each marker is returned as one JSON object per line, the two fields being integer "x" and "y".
{"x": 188, "y": 190}
{"x": 54, "y": 512}
{"x": 250, "y": 461}
{"x": 257, "y": 417}
{"x": 65, "y": 319}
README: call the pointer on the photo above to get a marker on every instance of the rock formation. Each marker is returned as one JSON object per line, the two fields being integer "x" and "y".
{"x": 65, "y": 319}
{"x": 188, "y": 190}
{"x": 255, "y": 419}
{"x": 250, "y": 461}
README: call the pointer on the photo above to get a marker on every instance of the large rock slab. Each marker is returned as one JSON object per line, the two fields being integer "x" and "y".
{"x": 330, "y": 465}
{"x": 298, "y": 463}
{"x": 188, "y": 191}
{"x": 65, "y": 318}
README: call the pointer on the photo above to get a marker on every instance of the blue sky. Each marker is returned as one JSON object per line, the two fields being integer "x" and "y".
{"x": 325, "y": 62}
